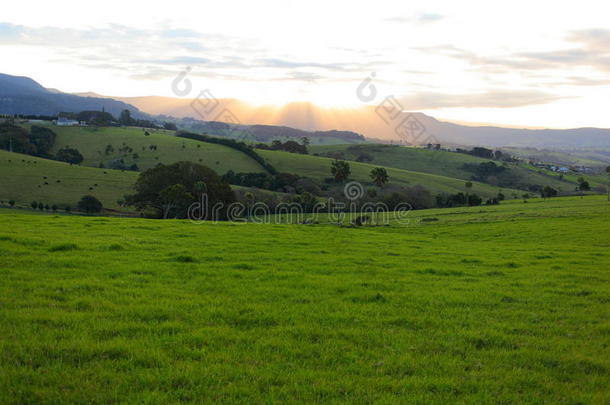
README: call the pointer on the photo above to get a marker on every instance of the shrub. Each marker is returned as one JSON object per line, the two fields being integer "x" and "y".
{"x": 90, "y": 204}
{"x": 69, "y": 155}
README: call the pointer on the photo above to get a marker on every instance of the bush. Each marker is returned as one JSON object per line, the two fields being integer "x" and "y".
{"x": 456, "y": 200}
{"x": 69, "y": 155}
{"x": 90, "y": 204}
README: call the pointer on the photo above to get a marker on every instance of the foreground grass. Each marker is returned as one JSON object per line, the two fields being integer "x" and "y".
{"x": 506, "y": 305}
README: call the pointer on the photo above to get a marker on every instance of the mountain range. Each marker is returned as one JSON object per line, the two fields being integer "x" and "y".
{"x": 22, "y": 95}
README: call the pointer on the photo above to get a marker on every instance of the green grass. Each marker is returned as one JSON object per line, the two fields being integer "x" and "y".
{"x": 91, "y": 143}
{"x": 503, "y": 304}
{"x": 23, "y": 178}
{"x": 448, "y": 164}
{"x": 592, "y": 157}
{"x": 319, "y": 167}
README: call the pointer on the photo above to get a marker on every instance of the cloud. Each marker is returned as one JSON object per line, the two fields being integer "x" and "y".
{"x": 593, "y": 50}
{"x": 282, "y": 63}
{"x": 419, "y": 18}
{"x": 488, "y": 99}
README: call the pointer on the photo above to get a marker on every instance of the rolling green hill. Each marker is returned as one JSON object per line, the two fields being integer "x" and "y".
{"x": 449, "y": 164}
{"x": 319, "y": 168}
{"x": 25, "y": 178}
{"x": 92, "y": 143}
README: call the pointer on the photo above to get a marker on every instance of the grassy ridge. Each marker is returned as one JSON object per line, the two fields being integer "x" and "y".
{"x": 449, "y": 164}
{"x": 92, "y": 142}
{"x": 319, "y": 167}
{"x": 460, "y": 311}
{"x": 23, "y": 179}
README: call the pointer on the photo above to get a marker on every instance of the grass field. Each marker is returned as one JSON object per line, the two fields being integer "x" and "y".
{"x": 23, "y": 178}
{"x": 450, "y": 164}
{"x": 503, "y": 304}
{"x": 92, "y": 142}
{"x": 319, "y": 167}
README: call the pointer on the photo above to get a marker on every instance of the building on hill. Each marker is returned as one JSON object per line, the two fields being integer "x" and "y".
{"x": 65, "y": 122}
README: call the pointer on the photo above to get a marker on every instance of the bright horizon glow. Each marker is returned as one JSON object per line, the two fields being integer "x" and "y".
{"x": 523, "y": 63}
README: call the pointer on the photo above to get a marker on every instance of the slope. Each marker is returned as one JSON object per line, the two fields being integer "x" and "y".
{"x": 319, "y": 168}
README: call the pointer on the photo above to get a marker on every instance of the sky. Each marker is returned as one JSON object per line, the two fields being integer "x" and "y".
{"x": 518, "y": 63}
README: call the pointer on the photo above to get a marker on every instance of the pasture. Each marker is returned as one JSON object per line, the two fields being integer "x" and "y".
{"x": 500, "y": 304}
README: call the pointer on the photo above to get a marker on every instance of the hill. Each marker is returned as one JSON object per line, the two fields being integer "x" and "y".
{"x": 366, "y": 120}
{"x": 451, "y": 164}
{"x": 269, "y": 133}
{"x": 26, "y": 178}
{"x": 22, "y": 95}
{"x": 93, "y": 142}
{"x": 319, "y": 168}
{"x": 134, "y": 147}
{"x": 467, "y": 309}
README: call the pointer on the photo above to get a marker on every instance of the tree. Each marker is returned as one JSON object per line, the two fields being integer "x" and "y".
{"x": 15, "y": 139}
{"x": 89, "y": 204}
{"x": 468, "y": 184}
{"x": 583, "y": 186}
{"x": 69, "y": 155}
{"x": 174, "y": 196}
{"x": 34, "y": 205}
{"x": 548, "y": 192}
{"x": 43, "y": 139}
{"x": 608, "y": 172}
{"x": 40, "y": 206}
{"x": 379, "y": 176}
{"x": 11, "y": 203}
{"x": 170, "y": 126}
{"x": 154, "y": 191}
{"x": 340, "y": 170}
{"x": 125, "y": 118}
{"x": 54, "y": 207}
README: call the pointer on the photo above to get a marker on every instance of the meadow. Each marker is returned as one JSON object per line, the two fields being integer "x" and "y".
{"x": 92, "y": 142}
{"x": 26, "y": 178}
{"x": 500, "y": 304}
{"x": 450, "y": 164}
{"x": 319, "y": 168}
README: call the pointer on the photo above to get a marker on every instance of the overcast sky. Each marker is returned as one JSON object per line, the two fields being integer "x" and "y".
{"x": 528, "y": 63}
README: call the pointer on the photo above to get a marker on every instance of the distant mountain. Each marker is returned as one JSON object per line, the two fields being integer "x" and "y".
{"x": 366, "y": 120}
{"x": 22, "y": 95}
